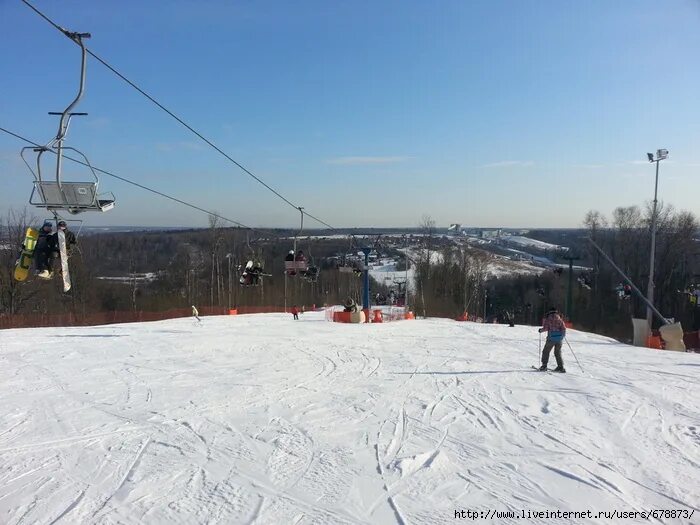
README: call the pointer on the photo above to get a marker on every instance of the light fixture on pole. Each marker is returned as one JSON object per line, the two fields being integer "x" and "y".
{"x": 228, "y": 256}
{"x": 661, "y": 154}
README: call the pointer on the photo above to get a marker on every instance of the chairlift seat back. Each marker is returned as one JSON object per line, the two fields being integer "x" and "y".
{"x": 299, "y": 266}
{"x": 74, "y": 196}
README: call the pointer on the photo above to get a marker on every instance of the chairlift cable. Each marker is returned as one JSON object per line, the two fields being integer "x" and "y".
{"x": 160, "y": 193}
{"x": 173, "y": 115}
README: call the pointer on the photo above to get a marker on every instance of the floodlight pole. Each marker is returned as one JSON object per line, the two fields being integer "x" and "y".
{"x": 650, "y": 284}
{"x": 228, "y": 256}
{"x": 365, "y": 295}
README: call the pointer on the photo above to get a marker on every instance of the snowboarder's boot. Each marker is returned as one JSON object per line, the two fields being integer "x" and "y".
{"x": 560, "y": 369}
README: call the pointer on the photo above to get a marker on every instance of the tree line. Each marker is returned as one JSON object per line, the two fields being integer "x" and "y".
{"x": 454, "y": 278}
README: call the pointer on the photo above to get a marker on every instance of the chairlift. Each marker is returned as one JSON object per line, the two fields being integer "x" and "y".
{"x": 350, "y": 263}
{"x": 59, "y": 195}
{"x": 253, "y": 272}
{"x": 295, "y": 262}
{"x": 312, "y": 271}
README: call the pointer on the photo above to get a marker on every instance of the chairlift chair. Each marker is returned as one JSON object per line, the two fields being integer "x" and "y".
{"x": 60, "y": 195}
{"x": 295, "y": 266}
{"x": 257, "y": 278}
{"x": 348, "y": 264}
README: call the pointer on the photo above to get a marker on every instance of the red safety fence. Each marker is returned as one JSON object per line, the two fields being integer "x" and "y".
{"x": 378, "y": 314}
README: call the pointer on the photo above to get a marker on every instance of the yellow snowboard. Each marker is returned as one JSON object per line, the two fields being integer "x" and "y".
{"x": 24, "y": 263}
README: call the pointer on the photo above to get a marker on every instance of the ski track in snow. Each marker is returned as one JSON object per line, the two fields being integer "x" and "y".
{"x": 263, "y": 420}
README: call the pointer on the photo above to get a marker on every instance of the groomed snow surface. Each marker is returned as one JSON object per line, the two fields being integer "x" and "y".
{"x": 261, "y": 419}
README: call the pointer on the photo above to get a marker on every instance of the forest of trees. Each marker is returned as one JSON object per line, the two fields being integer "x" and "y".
{"x": 456, "y": 280}
{"x": 160, "y": 270}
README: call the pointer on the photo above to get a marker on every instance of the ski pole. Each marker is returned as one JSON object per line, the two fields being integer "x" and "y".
{"x": 539, "y": 358}
{"x": 574, "y": 354}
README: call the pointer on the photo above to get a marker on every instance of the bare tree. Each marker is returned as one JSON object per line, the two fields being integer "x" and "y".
{"x": 13, "y": 294}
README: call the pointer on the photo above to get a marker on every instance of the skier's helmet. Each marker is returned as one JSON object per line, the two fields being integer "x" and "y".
{"x": 48, "y": 224}
{"x": 62, "y": 224}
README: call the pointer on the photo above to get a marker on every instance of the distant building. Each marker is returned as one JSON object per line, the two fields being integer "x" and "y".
{"x": 490, "y": 234}
{"x": 454, "y": 229}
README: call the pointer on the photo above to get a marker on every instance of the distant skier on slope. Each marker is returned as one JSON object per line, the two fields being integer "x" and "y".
{"x": 295, "y": 312}
{"x": 195, "y": 313}
{"x": 556, "y": 331}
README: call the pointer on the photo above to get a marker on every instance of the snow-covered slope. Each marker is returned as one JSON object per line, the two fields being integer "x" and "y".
{"x": 260, "y": 419}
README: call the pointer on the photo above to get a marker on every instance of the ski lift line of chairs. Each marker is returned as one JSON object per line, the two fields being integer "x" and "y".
{"x": 352, "y": 262}
{"x": 295, "y": 263}
{"x": 60, "y": 195}
{"x": 624, "y": 291}
{"x": 693, "y": 294}
{"x": 349, "y": 260}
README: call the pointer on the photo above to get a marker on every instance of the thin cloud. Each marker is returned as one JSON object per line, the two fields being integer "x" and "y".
{"x": 359, "y": 161}
{"x": 98, "y": 123}
{"x": 508, "y": 164}
{"x": 182, "y": 145}
{"x": 589, "y": 166}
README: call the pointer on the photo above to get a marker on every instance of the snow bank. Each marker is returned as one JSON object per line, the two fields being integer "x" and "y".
{"x": 263, "y": 419}
{"x": 526, "y": 242}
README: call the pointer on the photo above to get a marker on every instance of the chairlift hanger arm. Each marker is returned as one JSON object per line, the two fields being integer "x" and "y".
{"x": 66, "y": 114}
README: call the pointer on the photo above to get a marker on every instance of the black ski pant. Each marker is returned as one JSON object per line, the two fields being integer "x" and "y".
{"x": 548, "y": 345}
{"x": 43, "y": 259}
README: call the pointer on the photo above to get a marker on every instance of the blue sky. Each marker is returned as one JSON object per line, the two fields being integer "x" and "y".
{"x": 368, "y": 113}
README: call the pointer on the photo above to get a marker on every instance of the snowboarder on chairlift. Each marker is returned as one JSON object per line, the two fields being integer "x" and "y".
{"x": 46, "y": 244}
{"x": 310, "y": 274}
{"x": 256, "y": 272}
{"x": 585, "y": 281}
{"x": 300, "y": 257}
{"x": 290, "y": 258}
{"x": 620, "y": 289}
{"x": 70, "y": 241}
{"x": 556, "y": 332}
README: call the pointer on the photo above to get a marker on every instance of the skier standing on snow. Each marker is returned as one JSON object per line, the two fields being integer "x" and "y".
{"x": 556, "y": 331}
{"x": 295, "y": 312}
